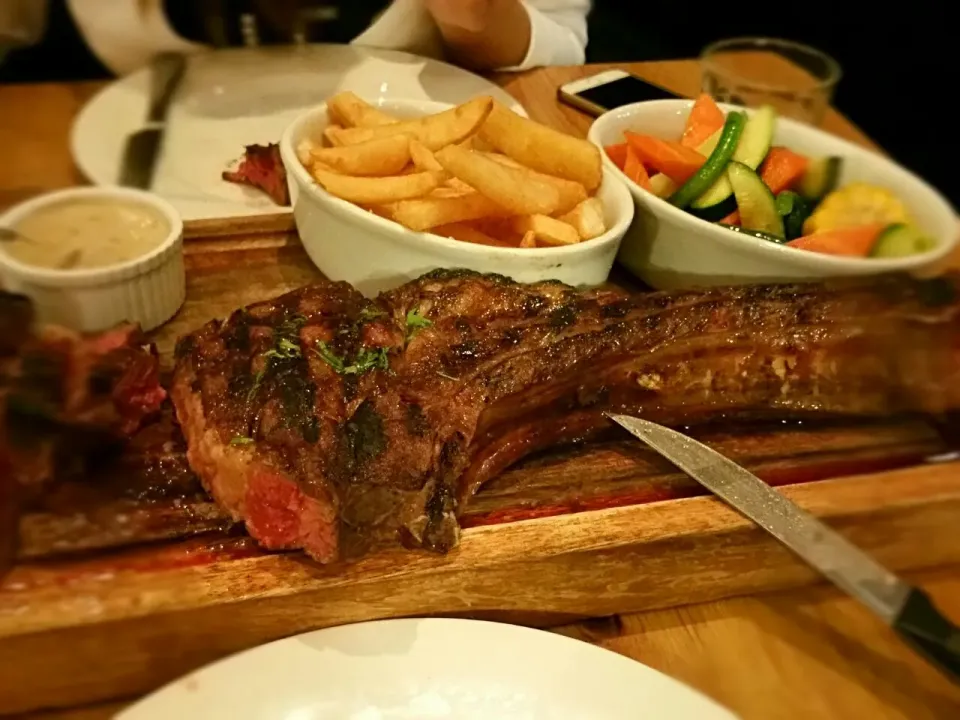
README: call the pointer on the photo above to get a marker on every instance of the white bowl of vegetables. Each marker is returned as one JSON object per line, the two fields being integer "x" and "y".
{"x": 727, "y": 195}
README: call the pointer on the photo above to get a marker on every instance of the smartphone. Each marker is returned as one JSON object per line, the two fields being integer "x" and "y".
{"x": 609, "y": 90}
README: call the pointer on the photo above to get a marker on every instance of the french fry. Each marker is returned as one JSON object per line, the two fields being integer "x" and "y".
{"x": 347, "y": 109}
{"x": 445, "y": 191}
{"x": 587, "y": 219}
{"x": 503, "y": 159}
{"x": 430, "y": 212}
{"x": 375, "y": 191}
{"x": 571, "y": 192}
{"x": 470, "y": 234}
{"x": 541, "y": 148}
{"x": 331, "y": 134}
{"x": 475, "y": 142}
{"x": 512, "y": 188}
{"x": 529, "y": 240}
{"x": 459, "y": 185}
{"x": 547, "y": 230}
{"x": 423, "y": 158}
{"x": 434, "y": 131}
{"x": 377, "y": 158}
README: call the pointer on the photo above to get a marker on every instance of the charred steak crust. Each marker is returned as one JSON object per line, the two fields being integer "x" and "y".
{"x": 333, "y": 423}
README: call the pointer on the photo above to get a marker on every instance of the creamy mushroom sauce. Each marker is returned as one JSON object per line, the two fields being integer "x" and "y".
{"x": 86, "y": 233}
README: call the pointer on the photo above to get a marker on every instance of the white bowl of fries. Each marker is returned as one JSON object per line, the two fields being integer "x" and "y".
{"x": 473, "y": 186}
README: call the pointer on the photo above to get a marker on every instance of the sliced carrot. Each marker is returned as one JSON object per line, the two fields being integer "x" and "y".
{"x": 617, "y": 153}
{"x": 704, "y": 120}
{"x": 674, "y": 160}
{"x": 782, "y": 168}
{"x": 731, "y": 219}
{"x": 850, "y": 241}
{"x": 635, "y": 170}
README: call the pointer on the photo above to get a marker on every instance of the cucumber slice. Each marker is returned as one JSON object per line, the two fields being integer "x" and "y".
{"x": 758, "y": 207}
{"x": 821, "y": 177}
{"x": 753, "y": 148}
{"x": 899, "y": 240}
{"x": 715, "y": 164}
{"x": 794, "y": 210}
{"x": 753, "y": 233}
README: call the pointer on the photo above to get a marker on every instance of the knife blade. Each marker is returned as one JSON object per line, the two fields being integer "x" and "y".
{"x": 143, "y": 147}
{"x": 908, "y": 610}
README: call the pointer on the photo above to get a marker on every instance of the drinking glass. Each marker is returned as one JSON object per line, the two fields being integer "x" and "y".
{"x": 796, "y": 79}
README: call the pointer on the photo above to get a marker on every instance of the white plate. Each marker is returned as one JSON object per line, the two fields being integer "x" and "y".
{"x": 426, "y": 670}
{"x": 229, "y": 99}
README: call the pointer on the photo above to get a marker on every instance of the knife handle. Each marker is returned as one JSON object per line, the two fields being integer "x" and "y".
{"x": 165, "y": 73}
{"x": 930, "y": 633}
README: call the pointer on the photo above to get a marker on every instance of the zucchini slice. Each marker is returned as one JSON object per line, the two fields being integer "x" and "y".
{"x": 758, "y": 207}
{"x": 821, "y": 177}
{"x": 900, "y": 240}
{"x": 753, "y": 233}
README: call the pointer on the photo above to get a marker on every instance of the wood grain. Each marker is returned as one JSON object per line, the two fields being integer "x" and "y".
{"x": 809, "y": 653}
{"x": 72, "y": 634}
{"x": 92, "y": 638}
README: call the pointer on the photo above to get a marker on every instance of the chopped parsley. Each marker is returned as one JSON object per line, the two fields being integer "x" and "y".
{"x": 371, "y": 313}
{"x": 241, "y": 440}
{"x": 285, "y": 350}
{"x": 286, "y": 347}
{"x": 364, "y": 361}
{"x": 415, "y": 323}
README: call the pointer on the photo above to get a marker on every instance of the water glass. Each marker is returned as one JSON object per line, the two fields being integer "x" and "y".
{"x": 796, "y": 79}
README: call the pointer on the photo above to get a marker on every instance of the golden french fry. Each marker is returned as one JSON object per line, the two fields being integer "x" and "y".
{"x": 547, "y": 230}
{"x": 459, "y": 185}
{"x": 429, "y": 212}
{"x": 571, "y": 192}
{"x": 375, "y": 191}
{"x": 512, "y": 188}
{"x": 434, "y": 131}
{"x": 378, "y": 158}
{"x": 504, "y": 160}
{"x": 331, "y": 134}
{"x": 529, "y": 239}
{"x": 470, "y": 234}
{"x": 445, "y": 191}
{"x": 541, "y": 148}
{"x": 587, "y": 219}
{"x": 347, "y": 109}
{"x": 423, "y": 158}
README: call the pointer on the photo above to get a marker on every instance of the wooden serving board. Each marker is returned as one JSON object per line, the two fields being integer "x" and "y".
{"x": 609, "y": 528}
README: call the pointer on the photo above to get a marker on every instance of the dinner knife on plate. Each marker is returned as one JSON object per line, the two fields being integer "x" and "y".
{"x": 907, "y": 609}
{"x": 143, "y": 147}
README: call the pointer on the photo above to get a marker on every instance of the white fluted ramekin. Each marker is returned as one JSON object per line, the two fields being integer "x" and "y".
{"x": 148, "y": 290}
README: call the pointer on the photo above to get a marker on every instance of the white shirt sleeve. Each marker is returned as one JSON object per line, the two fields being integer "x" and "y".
{"x": 558, "y": 33}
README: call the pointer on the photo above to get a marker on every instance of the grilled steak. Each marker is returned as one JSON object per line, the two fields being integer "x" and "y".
{"x": 262, "y": 168}
{"x": 332, "y": 423}
{"x": 61, "y": 396}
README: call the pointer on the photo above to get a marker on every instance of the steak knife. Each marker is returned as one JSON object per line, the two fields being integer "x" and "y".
{"x": 908, "y": 610}
{"x": 143, "y": 147}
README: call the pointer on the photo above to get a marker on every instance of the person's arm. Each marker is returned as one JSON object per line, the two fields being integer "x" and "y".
{"x": 512, "y": 34}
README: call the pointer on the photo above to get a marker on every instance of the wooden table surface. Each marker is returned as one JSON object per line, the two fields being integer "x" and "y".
{"x": 808, "y": 653}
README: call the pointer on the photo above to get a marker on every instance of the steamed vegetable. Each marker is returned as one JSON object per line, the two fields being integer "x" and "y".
{"x": 677, "y": 162}
{"x": 856, "y": 204}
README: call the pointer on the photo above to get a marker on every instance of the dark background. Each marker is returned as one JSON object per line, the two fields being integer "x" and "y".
{"x": 899, "y": 60}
